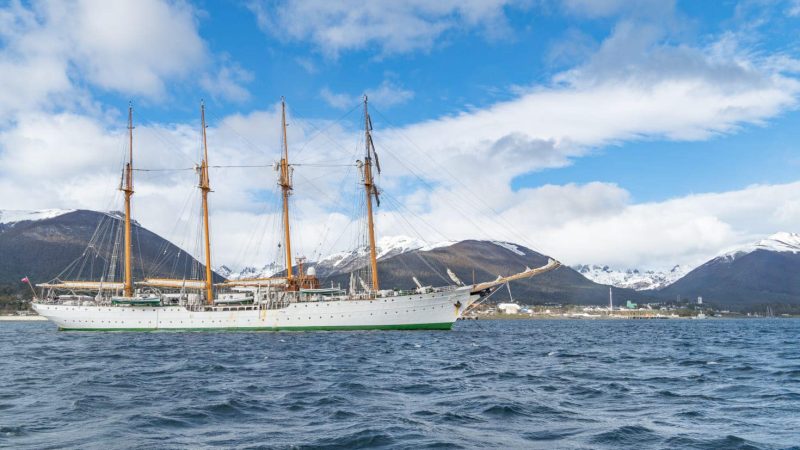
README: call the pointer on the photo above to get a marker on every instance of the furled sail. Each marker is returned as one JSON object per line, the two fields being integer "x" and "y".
{"x": 528, "y": 273}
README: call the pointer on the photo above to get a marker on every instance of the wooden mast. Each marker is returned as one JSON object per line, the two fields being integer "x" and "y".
{"x": 205, "y": 188}
{"x": 127, "y": 188}
{"x": 370, "y": 189}
{"x": 285, "y": 183}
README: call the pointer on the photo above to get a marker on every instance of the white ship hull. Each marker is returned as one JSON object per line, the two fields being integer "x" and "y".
{"x": 434, "y": 310}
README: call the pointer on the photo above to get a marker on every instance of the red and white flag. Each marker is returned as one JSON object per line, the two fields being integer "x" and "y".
{"x": 25, "y": 280}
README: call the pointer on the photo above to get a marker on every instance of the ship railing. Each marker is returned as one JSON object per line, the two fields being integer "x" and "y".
{"x": 73, "y": 300}
{"x": 400, "y": 292}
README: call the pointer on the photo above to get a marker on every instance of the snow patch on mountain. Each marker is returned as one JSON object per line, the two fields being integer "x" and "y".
{"x": 778, "y": 242}
{"x": 385, "y": 247}
{"x": 636, "y": 279}
{"x": 12, "y": 216}
{"x": 395, "y": 245}
{"x": 509, "y": 246}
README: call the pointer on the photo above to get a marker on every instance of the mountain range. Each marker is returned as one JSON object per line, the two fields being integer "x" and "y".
{"x": 640, "y": 280}
{"x": 39, "y": 244}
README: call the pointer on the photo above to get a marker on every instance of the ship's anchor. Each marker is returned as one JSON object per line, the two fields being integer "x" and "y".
{"x": 457, "y": 304}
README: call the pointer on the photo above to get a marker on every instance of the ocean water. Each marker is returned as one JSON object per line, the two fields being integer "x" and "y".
{"x": 485, "y": 384}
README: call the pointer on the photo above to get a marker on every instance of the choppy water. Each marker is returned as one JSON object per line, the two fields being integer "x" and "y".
{"x": 490, "y": 384}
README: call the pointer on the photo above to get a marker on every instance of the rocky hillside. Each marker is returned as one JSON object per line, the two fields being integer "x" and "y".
{"x": 41, "y": 244}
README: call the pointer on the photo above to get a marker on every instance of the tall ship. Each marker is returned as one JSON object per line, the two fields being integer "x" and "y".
{"x": 290, "y": 300}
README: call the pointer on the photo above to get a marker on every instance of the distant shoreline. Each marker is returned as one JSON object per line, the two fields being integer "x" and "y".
{"x": 607, "y": 317}
{"x": 14, "y": 318}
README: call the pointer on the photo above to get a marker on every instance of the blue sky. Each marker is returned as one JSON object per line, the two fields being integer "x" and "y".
{"x": 471, "y": 68}
{"x": 632, "y": 133}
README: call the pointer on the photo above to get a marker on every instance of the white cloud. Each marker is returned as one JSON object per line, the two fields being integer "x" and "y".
{"x": 337, "y": 100}
{"x": 52, "y": 53}
{"x": 609, "y": 8}
{"x": 794, "y": 8}
{"x": 392, "y": 27}
{"x": 132, "y": 46}
{"x": 626, "y": 91}
{"x": 33, "y": 69}
{"x": 307, "y": 64}
{"x": 687, "y": 230}
{"x": 387, "y": 94}
{"x": 227, "y": 83}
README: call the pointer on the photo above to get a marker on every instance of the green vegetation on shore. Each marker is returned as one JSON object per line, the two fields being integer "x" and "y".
{"x": 12, "y": 300}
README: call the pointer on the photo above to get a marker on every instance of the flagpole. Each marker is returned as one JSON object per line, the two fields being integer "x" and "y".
{"x": 28, "y": 281}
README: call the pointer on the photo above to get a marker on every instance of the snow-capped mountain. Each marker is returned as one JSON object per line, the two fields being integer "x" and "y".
{"x": 778, "y": 242}
{"x": 347, "y": 261}
{"x": 766, "y": 271}
{"x": 9, "y": 216}
{"x": 639, "y": 280}
{"x": 266, "y": 271}
{"x": 386, "y": 247}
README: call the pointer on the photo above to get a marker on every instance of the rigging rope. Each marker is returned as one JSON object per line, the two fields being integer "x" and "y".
{"x": 507, "y": 225}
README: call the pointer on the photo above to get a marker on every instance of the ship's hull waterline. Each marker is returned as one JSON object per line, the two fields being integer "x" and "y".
{"x": 429, "y": 311}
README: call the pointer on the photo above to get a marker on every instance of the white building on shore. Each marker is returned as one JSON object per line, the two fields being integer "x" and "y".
{"x": 508, "y": 308}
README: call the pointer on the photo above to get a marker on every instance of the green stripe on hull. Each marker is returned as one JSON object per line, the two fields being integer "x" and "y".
{"x": 416, "y": 326}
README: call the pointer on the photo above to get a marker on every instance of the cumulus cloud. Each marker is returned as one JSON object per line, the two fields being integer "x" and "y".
{"x": 52, "y": 51}
{"x": 611, "y": 8}
{"x": 227, "y": 82}
{"x": 387, "y": 94}
{"x": 337, "y": 100}
{"x": 794, "y": 8}
{"x": 685, "y": 230}
{"x": 131, "y": 46}
{"x": 392, "y": 27}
